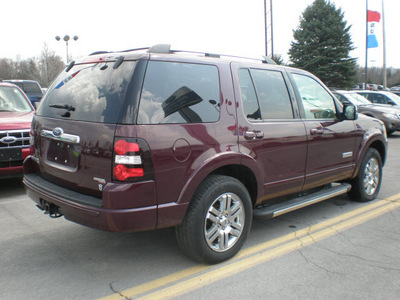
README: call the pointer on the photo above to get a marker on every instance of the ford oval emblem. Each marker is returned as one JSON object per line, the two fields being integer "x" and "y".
{"x": 8, "y": 139}
{"x": 58, "y": 131}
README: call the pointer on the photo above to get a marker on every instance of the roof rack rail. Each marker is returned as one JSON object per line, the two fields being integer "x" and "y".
{"x": 98, "y": 52}
{"x": 166, "y": 48}
{"x": 135, "y": 49}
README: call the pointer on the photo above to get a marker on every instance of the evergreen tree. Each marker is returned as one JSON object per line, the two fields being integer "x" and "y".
{"x": 322, "y": 45}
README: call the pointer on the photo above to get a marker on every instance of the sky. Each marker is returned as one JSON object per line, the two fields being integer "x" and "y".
{"x": 234, "y": 27}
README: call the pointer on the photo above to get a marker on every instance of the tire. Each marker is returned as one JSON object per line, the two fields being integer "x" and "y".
{"x": 217, "y": 221}
{"x": 367, "y": 183}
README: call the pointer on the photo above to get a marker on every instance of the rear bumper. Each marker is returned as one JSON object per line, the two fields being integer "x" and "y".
{"x": 89, "y": 211}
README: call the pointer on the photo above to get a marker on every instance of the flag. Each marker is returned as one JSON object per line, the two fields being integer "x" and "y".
{"x": 373, "y": 18}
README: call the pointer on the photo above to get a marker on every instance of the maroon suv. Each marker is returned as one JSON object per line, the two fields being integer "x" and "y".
{"x": 155, "y": 138}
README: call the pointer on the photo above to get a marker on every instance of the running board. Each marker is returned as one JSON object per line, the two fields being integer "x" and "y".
{"x": 272, "y": 211}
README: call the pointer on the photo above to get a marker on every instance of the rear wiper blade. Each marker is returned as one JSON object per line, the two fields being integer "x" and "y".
{"x": 65, "y": 106}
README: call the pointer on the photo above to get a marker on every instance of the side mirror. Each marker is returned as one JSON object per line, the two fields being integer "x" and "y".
{"x": 349, "y": 112}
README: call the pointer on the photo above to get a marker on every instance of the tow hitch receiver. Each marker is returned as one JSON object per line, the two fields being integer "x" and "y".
{"x": 51, "y": 209}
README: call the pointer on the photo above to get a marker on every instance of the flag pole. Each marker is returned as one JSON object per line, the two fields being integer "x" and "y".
{"x": 366, "y": 46}
{"x": 384, "y": 48}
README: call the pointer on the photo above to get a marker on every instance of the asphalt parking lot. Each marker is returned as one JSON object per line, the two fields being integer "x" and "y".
{"x": 337, "y": 249}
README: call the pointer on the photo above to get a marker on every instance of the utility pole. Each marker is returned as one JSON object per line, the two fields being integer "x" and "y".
{"x": 269, "y": 29}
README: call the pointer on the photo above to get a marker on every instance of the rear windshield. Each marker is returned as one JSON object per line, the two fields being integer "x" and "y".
{"x": 31, "y": 88}
{"x": 88, "y": 92}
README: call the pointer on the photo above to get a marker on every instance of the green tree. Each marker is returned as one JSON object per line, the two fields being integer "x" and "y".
{"x": 322, "y": 45}
{"x": 278, "y": 59}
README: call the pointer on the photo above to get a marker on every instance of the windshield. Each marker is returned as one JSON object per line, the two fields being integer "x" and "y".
{"x": 88, "y": 92}
{"x": 11, "y": 99}
{"x": 358, "y": 99}
{"x": 394, "y": 98}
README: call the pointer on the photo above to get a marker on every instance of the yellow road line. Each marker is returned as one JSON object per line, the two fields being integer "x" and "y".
{"x": 257, "y": 259}
{"x": 258, "y": 253}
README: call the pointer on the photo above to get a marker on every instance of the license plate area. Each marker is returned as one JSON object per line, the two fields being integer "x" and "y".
{"x": 10, "y": 154}
{"x": 63, "y": 154}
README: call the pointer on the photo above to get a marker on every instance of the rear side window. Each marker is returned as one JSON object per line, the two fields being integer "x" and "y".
{"x": 88, "y": 92}
{"x": 179, "y": 93}
{"x": 265, "y": 95}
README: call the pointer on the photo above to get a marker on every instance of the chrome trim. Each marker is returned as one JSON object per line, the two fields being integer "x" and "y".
{"x": 8, "y": 139}
{"x": 62, "y": 137}
{"x": 14, "y": 138}
{"x": 347, "y": 154}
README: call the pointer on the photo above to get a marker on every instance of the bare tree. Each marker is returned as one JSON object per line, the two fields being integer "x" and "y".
{"x": 43, "y": 68}
{"x": 49, "y": 65}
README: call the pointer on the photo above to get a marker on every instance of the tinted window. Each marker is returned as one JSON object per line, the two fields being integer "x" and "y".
{"x": 250, "y": 103}
{"x": 271, "y": 101}
{"x": 32, "y": 87}
{"x": 179, "y": 93}
{"x": 272, "y": 94}
{"x": 88, "y": 92}
{"x": 317, "y": 102}
{"x": 375, "y": 98}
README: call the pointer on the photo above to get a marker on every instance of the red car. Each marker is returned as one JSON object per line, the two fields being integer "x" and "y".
{"x": 16, "y": 113}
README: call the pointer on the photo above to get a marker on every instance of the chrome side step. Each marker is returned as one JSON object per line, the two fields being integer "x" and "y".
{"x": 272, "y": 211}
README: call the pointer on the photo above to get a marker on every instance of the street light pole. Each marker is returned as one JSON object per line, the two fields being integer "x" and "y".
{"x": 66, "y": 39}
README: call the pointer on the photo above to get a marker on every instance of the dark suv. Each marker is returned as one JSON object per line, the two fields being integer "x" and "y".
{"x": 155, "y": 138}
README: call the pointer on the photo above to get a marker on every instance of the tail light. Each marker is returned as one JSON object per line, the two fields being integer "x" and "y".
{"x": 132, "y": 160}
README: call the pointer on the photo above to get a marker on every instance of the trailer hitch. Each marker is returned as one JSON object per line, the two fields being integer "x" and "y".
{"x": 51, "y": 209}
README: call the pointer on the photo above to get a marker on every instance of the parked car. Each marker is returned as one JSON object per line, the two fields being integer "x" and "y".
{"x": 396, "y": 92}
{"x": 16, "y": 114}
{"x": 381, "y": 97}
{"x": 388, "y": 115}
{"x": 31, "y": 88}
{"x": 149, "y": 139}
{"x": 395, "y": 88}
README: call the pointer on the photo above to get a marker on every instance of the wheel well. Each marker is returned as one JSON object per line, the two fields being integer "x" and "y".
{"x": 244, "y": 175}
{"x": 381, "y": 149}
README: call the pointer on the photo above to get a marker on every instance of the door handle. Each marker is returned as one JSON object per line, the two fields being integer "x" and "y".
{"x": 317, "y": 131}
{"x": 253, "y": 135}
